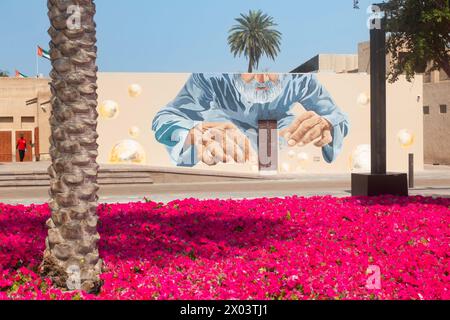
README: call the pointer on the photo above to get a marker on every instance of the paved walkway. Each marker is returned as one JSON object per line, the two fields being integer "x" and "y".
{"x": 434, "y": 181}
{"x": 122, "y": 195}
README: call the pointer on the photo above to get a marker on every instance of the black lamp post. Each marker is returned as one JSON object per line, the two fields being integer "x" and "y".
{"x": 379, "y": 181}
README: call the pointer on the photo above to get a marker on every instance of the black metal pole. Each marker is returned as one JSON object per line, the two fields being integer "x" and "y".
{"x": 411, "y": 170}
{"x": 378, "y": 98}
{"x": 378, "y": 182}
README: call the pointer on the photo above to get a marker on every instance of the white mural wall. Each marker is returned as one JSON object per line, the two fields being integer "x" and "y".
{"x": 146, "y": 119}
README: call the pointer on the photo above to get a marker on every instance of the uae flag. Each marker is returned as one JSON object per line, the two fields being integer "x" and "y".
{"x": 43, "y": 53}
{"x": 20, "y": 75}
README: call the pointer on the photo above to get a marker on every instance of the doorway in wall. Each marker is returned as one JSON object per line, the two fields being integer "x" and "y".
{"x": 268, "y": 146}
{"x": 5, "y": 146}
{"x": 37, "y": 147}
{"x": 28, "y": 135}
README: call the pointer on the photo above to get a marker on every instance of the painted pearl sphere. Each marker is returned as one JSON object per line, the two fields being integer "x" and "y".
{"x": 363, "y": 99}
{"x": 127, "y": 152}
{"x": 405, "y": 138}
{"x": 108, "y": 109}
{"x": 134, "y": 132}
{"x": 361, "y": 158}
{"x": 134, "y": 90}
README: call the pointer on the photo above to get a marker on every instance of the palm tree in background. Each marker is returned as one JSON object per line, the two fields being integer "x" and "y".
{"x": 4, "y": 74}
{"x": 71, "y": 257}
{"x": 254, "y": 36}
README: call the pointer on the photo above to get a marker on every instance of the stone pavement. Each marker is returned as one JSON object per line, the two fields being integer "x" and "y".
{"x": 434, "y": 181}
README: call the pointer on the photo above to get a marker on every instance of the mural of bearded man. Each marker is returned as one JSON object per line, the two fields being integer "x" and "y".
{"x": 220, "y": 113}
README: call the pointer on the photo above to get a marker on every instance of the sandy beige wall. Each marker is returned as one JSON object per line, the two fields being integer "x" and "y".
{"x": 437, "y": 124}
{"x": 404, "y": 113}
{"x": 14, "y": 93}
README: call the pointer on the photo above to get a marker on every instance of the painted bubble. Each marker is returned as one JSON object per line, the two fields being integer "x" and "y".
{"x": 363, "y": 99}
{"x": 127, "y": 152}
{"x": 360, "y": 158}
{"x": 405, "y": 138}
{"x": 134, "y": 90}
{"x": 134, "y": 132}
{"x": 108, "y": 109}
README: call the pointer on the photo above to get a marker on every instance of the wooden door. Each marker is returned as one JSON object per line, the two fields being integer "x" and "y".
{"x": 28, "y": 135}
{"x": 5, "y": 146}
{"x": 37, "y": 147}
{"x": 268, "y": 145}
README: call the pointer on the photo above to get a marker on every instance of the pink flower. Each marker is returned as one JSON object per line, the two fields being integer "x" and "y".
{"x": 292, "y": 248}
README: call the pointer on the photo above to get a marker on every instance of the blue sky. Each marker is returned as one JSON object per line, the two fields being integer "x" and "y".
{"x": 185, "y": 35}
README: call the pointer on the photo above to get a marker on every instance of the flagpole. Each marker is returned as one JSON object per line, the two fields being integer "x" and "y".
{"x": 37, "y": 66}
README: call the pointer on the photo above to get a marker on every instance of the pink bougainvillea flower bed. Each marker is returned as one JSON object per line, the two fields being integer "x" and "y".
{"x": 293, "y": 248}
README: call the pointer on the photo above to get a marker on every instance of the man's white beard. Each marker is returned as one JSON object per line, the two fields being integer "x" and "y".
{"x": 250, "y": 93}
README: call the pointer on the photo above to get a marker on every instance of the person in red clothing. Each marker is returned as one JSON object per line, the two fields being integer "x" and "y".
{"x": 22, "y": 147}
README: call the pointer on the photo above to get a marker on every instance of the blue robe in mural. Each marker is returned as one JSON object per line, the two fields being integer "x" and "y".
{"x": 214, "y": 98}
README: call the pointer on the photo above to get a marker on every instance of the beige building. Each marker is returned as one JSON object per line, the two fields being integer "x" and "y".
{"x": 24, "y": 110}
{"x": 334, "y": 63}
{"x": 436, "y": 101}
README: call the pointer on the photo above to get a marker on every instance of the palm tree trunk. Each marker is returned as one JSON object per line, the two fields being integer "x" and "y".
{"x": 250, "y": 65}
{"x": 71, "y": 246}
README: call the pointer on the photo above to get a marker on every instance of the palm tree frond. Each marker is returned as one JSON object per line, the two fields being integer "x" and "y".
{"x": 254, "y": 36}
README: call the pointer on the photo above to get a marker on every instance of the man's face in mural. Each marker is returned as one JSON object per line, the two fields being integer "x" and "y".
{"x": 259, "y": 88}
